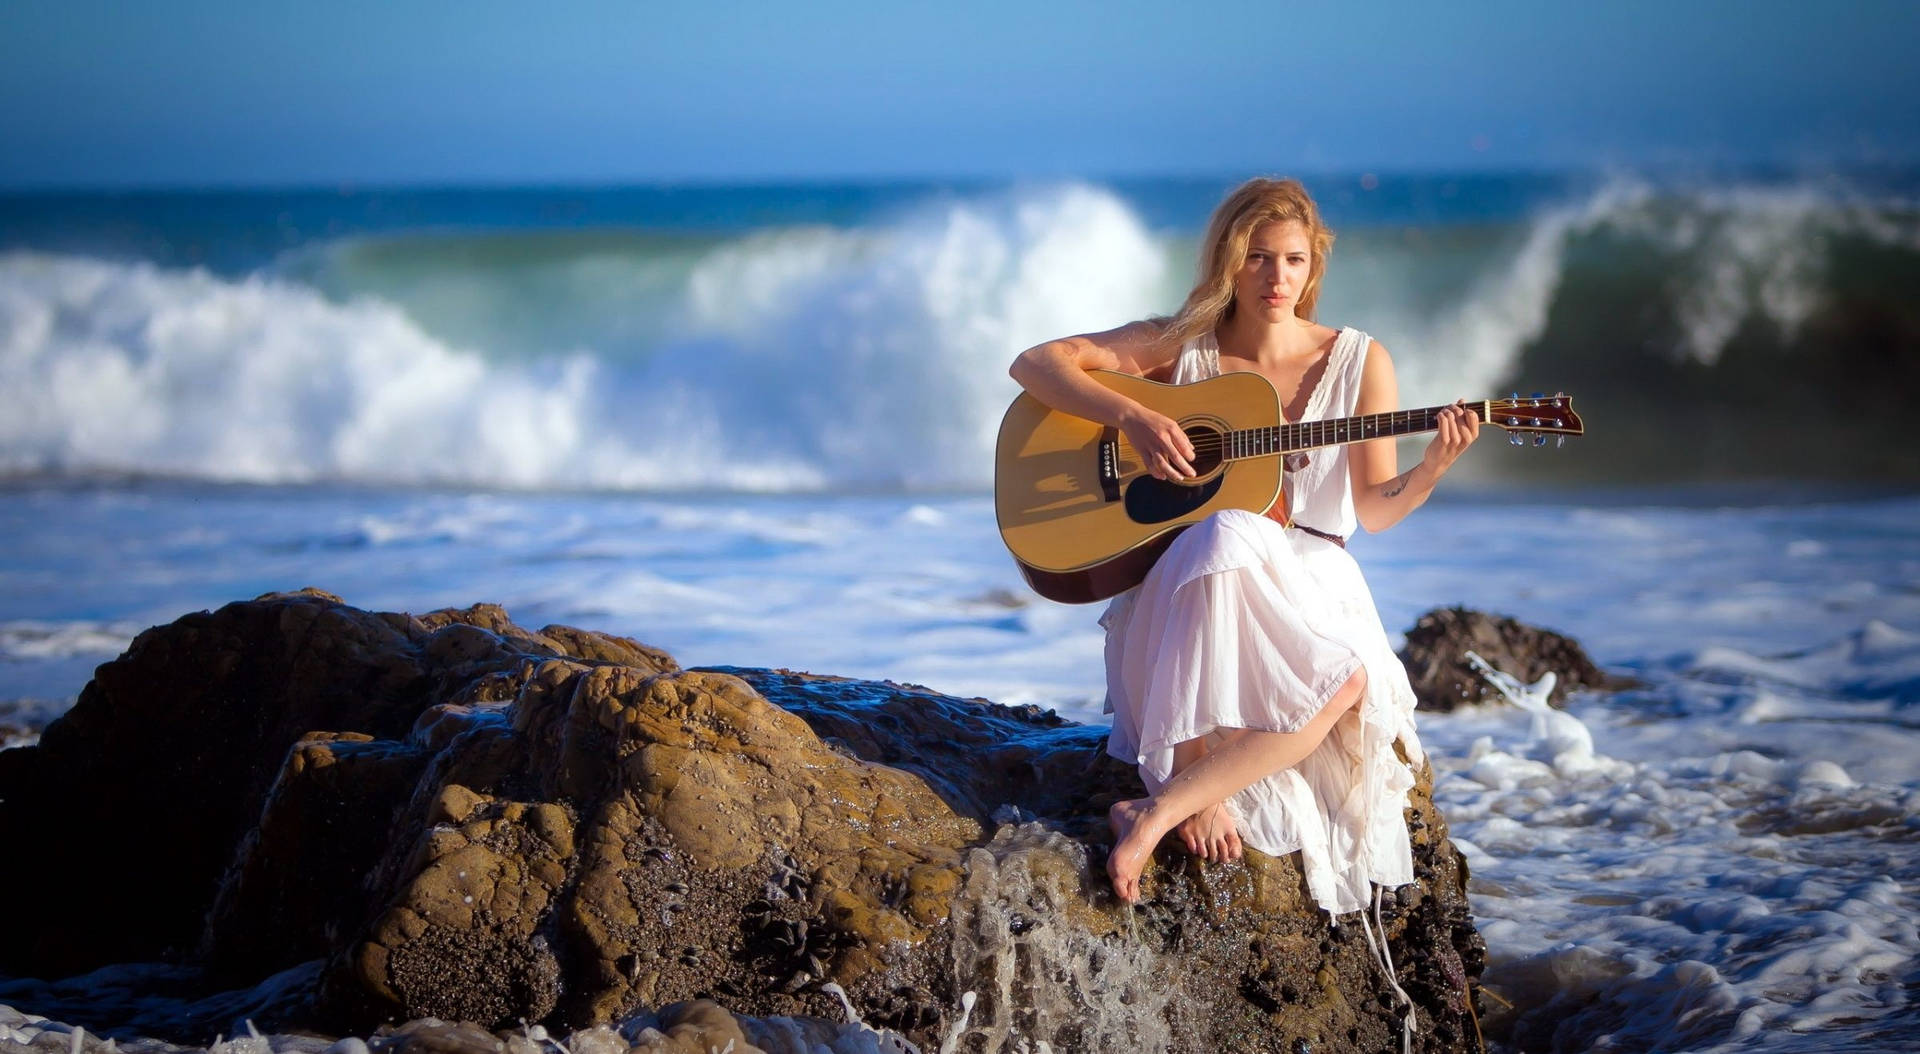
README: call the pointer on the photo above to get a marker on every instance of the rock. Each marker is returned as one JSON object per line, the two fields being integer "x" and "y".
{"x": 467, "y": 821}
{"x": 170, "y": 751}
{"x": 1435, "y": 656}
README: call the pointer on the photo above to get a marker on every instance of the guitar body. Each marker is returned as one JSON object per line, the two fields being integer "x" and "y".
{"x": 1078, "y": 509}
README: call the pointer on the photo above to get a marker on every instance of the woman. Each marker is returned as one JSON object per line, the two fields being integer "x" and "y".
{"x": 1248, "y": 675}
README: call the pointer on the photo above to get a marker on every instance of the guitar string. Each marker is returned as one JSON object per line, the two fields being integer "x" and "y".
{"x": 1310, "y": 434}
{"x": 1305, "y": 430}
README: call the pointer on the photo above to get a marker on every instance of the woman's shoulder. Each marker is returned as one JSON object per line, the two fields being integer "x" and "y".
{"x": 1349, "y": 341}
{"x": 1357, "y": 356}
{"x": 1324, "y": 335}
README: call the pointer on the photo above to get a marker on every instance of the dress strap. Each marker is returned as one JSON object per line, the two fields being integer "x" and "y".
{"x": 1199, "y": 360}
{"x": 1341, "y": 360}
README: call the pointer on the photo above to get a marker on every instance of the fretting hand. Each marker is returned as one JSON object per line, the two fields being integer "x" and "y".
{"x": 1459, "y": 427}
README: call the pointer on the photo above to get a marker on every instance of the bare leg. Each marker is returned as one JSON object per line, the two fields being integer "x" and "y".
{"x": 1210, "y": 833}
{"x": 1245, "y": 759}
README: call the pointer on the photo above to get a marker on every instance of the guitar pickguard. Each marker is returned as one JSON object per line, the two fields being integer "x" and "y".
{"x": 1150, "y": 500}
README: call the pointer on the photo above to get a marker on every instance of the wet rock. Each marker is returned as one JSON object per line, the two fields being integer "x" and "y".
{"x": 296, "y": 876}
{"x": 172, "y": 749}
{"x": 1435, "y": 656}
{"x": 466, "y": 821}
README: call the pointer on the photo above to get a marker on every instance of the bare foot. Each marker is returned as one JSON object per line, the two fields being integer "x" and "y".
{"x": 1210, "y": 834}
{"x": 1133, "y": 842}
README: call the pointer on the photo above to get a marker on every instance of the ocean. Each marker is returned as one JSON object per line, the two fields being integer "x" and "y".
{"x": 753, "y": 425}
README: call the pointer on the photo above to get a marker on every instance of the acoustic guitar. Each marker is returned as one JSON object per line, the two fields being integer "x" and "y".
{"x": 1085, "y": 519}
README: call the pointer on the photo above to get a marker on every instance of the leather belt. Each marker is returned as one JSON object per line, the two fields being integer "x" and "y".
{"x": 1334, "y": 538}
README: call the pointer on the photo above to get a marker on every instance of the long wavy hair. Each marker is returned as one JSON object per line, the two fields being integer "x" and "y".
{"x": 1255, "y": 203}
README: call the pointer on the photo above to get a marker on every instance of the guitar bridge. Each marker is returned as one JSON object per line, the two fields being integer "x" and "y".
{"x": 1109, "y": 452}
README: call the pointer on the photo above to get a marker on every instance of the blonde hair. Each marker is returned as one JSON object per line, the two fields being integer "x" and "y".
{"x": 1256, "y": 203}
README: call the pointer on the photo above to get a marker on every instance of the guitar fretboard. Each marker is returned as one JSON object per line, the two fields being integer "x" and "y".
{"x": 1306, "y": 435}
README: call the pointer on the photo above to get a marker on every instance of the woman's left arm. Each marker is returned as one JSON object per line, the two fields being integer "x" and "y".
{"x": 1382, "y": 494}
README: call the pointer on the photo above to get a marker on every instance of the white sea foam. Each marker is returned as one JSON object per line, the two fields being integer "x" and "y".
{"x": 1472, "y": 338}
{"x": 38, "y": 640}
{"x": 126, "y": 367}
{"x": 789, "y": 353}
{"x": 1761, "y": 253}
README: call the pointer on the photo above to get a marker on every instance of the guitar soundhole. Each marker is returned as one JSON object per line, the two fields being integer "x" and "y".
{"x": 1150, "y": 500}
{"x": 1207, "y": 449}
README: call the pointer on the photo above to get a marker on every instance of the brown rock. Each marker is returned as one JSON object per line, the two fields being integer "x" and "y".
{"x": 295, "y": 882}
{"x": 472, "y": 822}
{"x": 1435, "y": 656}
{"x": 173, "y": 748}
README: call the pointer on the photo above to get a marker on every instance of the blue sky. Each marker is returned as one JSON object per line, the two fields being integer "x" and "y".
{"x": 276, "y": 92}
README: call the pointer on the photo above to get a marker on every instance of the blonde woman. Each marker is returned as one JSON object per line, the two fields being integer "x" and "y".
{"x": 1249, "y": 676}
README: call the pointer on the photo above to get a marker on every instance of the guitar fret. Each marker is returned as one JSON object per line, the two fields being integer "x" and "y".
{"x": 1244, "y": 443}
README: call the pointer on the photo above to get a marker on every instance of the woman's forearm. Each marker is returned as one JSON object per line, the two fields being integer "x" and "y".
{"x": 1379, "y": 506}
{"x": 1056, "y": 374}
{"x": 1050, "y": 373}
{"x": 1382, "y": 505}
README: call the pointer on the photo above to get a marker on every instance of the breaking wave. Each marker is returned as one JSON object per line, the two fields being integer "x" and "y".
{"x": 873, "y": 356}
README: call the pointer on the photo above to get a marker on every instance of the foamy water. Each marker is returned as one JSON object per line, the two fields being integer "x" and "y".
{"x": 1725, "y": 859}
{"x": 791, "y": 359}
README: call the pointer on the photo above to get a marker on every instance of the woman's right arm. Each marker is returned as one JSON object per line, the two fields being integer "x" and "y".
{"x": 1056, "y": 374}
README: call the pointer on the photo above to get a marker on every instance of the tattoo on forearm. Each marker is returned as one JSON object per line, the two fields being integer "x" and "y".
{"x": 1393, "y": 487}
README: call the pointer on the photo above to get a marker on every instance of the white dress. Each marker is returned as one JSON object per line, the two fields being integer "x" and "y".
{"x": 1244, "y": 623}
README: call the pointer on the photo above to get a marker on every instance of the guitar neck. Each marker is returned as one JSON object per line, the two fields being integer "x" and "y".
{"x": 1308, "y": 435}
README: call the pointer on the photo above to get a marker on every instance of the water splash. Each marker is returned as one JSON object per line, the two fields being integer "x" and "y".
{"x": 1042, "y": 983}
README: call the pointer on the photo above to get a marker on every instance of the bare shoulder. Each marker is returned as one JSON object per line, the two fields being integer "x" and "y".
{"x": 1379, "y": 389}
{"x": 1377, "y": 357}
{"x": 1323, "y": 335}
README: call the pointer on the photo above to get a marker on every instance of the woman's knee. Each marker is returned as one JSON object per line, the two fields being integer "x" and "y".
{"x": 1353, "y": 689}
{"x": 1230, "y": 520}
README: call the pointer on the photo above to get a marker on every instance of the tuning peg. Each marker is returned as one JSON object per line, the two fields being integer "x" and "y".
{"x": 1559, "y": 441}
{"x": 1539, "y": 440}
{"x": 1516, "y": 439}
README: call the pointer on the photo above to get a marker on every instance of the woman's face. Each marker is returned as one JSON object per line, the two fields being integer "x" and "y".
{"x": 1274, "y": 274}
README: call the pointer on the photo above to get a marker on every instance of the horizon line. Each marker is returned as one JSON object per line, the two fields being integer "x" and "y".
{"x": 348, "y": 187}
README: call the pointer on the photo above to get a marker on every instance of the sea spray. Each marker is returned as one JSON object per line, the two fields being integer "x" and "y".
{"x": 1041, "y": 982}
{"x": 1655, "y": 941}
{"x": 793, "y": 359}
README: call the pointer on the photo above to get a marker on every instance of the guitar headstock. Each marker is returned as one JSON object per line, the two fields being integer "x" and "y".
{"x": 1538, "y": 415}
